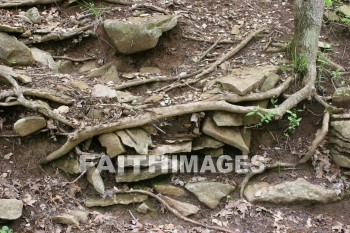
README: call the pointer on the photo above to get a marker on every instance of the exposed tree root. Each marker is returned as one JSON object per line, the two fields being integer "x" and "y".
{"x": 232, "y": 51}
{"x": 321, "y": 101}
{"x": 330, "y": 64}
{"x": 320, "y": 136}
{"x": 19, "y": 3}
{"x": 157, "y": 79}
{"x": 150, "y": 7}
{"x": 174, "y": 211}
{"x": 55, "y": 36}
{"x": 74, "y": 59}
{"x": 234, "y": 98}
{"x": 41, "y": 93}
{"x": 32, "y": 105}
{"x": 208, "y": 41}
{"x": 210, "y": 48}
{"x": 120, "y": 2}
{"x": 341, "y": 116}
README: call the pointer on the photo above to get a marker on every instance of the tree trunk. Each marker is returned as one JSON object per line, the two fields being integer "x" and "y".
{"x": 307, "y": 27}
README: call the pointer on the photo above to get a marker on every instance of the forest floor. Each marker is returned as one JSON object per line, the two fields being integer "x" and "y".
{"x": 43, "y": 188}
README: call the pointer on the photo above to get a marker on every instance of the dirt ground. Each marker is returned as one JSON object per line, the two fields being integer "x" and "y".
{"x": 43, "y": 188}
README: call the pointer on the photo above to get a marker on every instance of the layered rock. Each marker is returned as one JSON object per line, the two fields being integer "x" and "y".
{"x": 339, "y": 138}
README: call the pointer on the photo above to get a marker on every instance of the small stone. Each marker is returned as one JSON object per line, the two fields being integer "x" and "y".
{"x": 44, "y": 58}
{"x": 102, "y": 91}
{"x": 331, "y": 16}
{"x": 112, "y": 143}
{"x": 34, "y": 15}
{"x": 29, "y": 125}
{"x": 143, "y": 208}
{"x": 63, "y": 109}
{"x": 129, "y": 75}
{"x": 153, "y": 99}
{"x": 66, "y": 219}
{"x": 79, "y": 84}
{"x": 65, "y": 67}
{"x": 68, "y": 165}
{"x": 170, "y": 190}
{"x": 235, "y": 30}
{"x": 341, "y": 96}
{"x": 210, "y": 193}
{"x": 270, "y": 81}
{"x": 81, "y": 215}
{"x": 94, "y": 177}
{"x": 136, "y": 138}
{"x": 183, "y": 208}
{"x": 11, "y": 209}
{"x": 340, "y": 159}
{"x": 324, "y": 45}
{"x": 123, "y": 199}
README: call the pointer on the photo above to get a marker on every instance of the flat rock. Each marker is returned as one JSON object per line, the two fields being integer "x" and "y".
{"x": 136, "y": 138}
{"x": 87, "y": 66}
{"x": 44, "y": 58}
{"x": 341, "y": 96}
{"x": 14, "y": 52}
{"x": 299, "y": 191}
{"x": 205, "y": 141}
{"x": 79, "y": 84}
{"x": 342, "y": 127}
{"x": 242, "y": 81}
{"x": 94, "y": 177}
{"x": 112, "y": 144}
{"x": 29, "y": 125}
{"x": 66, "y": 219}
{"x": 270, "y": 82}
{"x": 337, "y": 135}
{"x": 340, "y": 159}
{"x": 81, "y": 215}
{"x": 169, "y": 189}
{"x": 210, "y": 193}
{"x": 11, "y": 209}
{"x": 144, "y": 32}
{"x": 340, "y": 142}
{"x": 175, "y": 148}
{"x": 108, "y": 72}
{"x": 227, "y": 119}
{"x": 102, "y": 91}
{"x": 122, "y": 199}
{"x": 229, "y": 135}
{"x": 167, "y": 166}
{"x": 183, "y": 208}
{"x": 68, "y": 165}
{"x": 247, "y": 136}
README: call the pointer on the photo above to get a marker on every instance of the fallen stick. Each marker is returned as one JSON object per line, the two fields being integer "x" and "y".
{"x": 74, "y": 59}
{"x": 150, "y": 7}
{"x": 120, "y": 2}
{"x": 210, "y": 48}
{"x": 174, "y": 211}
{"x": 151, "y": 80}
{"x": 232, "y": 51}
{"x": 208, "y": 41}
{"x": 19, "y": 3}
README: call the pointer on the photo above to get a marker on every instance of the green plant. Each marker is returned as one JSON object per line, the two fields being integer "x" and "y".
{"x": 5, "y": 229}
{"x": 299, "y": 62}
{"x": 294, "y": 121}
{"x": 264, "y": 118}
{"x": 274, "y": 102}
{"x": 92, "y": 8}
{"x": 329, "y": 3}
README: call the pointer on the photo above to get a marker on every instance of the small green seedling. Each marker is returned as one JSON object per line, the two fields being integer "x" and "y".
{"x": 264, "y": 118}
{"x": 294, "y": 121}
{"x": 6, "y": 229}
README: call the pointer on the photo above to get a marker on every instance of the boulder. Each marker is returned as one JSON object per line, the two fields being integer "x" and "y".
{"x": 112, "y": 144}
{"x": 94, "y": 177}
{"x": 136, "y": 138}
{"x": 183, "y": 208}
{"x": 299, "y": 191}
{"x": 122, "y": 199}
{"x": 143, "y": 32}
{"x": 14, "y": 52}
{"x": 169, "y": 189}
{"x": 227, "y": 119}
{"x": 229, "y": 135}
{"x": 29, "y": 125}
{"x": 10, "y": 209}
{"x": 210, "y": 193}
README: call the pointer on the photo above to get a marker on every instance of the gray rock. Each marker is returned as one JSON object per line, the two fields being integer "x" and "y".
{"x": 14, "y": 52}
{"x": 342, "y": 127}
{"x": 167, "y": 166}
{"x": 68, "y": 165}
{"x": 44, "y": 58}
{"x": 341, "y": 96}
{"x": 181, "y": 147}
{"x": 66, "y": 219}
{"x": 340, "y": 159}
{"x": 150, "y": 70}
{"x": 270, "y": 81}
{"x": 143, "y": 208}
{"x": 344, "y": 10}
{"x": 336, "y": 134}
{"x": 331, "y": 16}
{"x": 122, "y": 199}
{"x": 11, "y": 29}
{"x": 125, "y": 97}
{"x": 102, "y": 91}
{"x": 247, "y": 136}
{"x": 227, "y": 119}
{"x": 205, "y": 141}
{"x": 112, "y": 143}
{"x": 299, "y": 191}
{"x": 34, "y": 15}
{"x": 29, "y": 125}
{"x": 229, "y": 135}
{"x": 88, "y": 66}
{"x": 107, "y": 72}
{"x": 144, "y": 32}
{"x": 183, "y": 208}
{"x": 81, "y": 215}
{"x": 169, "y": 189}
{"x": 11, "y": 209}
{"x": 141, "y": 160}
{"x": 136, "y": 138}
{"x": 210, "y": 193}
{"x": 94, "y": 177}
{"x": 340, "y": 142}
{"x": 241, "y": 81}
{"x": 65, "y": 67}
{"x": 17, "y": 74}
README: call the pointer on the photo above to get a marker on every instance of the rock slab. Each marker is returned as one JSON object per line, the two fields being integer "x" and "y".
{"x": 11, "y": 209}
{"x": 28, "y": 125}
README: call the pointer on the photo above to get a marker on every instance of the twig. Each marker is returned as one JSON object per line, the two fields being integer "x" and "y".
{"x": 76, "y": 179}
{"x": 175, "y": 212}
{"x": 320, "y": 135}
{"x": 150, "y": 7}
{"x": 232, "y": 51}
{"x": 120, "y": 2}
{"x": 320, "y": 100}
{"x": 19, "y": 3}
{"x": 210, "y": 48}
{"x": 208, "y": 41}
{"x": 74, "y": 59}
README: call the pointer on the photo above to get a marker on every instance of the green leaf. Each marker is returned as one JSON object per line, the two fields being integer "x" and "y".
{"x": 329, "y": 3}
{"x": 250, "y": 113}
